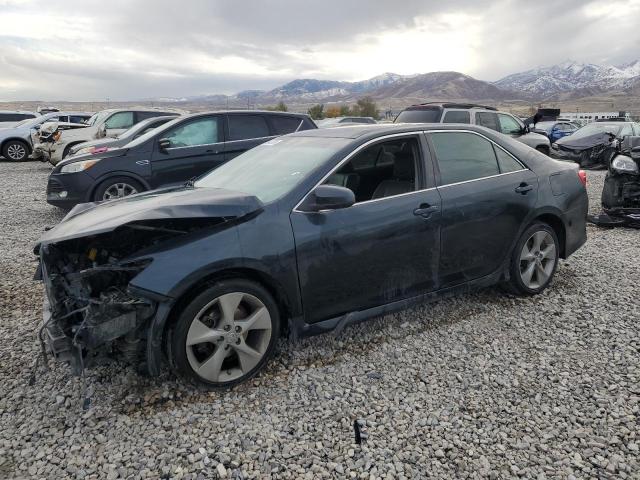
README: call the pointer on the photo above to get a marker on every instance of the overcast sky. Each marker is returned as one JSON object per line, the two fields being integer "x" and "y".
{"x": 135, "y": 49}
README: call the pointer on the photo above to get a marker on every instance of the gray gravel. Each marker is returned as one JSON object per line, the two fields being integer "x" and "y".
{"x": 482, "y": 385}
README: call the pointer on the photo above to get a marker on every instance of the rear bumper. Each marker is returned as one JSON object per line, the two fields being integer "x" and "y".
{"x": 576, "y": 228}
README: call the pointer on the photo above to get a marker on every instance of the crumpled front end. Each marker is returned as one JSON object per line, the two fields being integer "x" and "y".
{"x": 597, "y": 156}
{"x": 621, "y": 192}
{"x": 89, "y": 310}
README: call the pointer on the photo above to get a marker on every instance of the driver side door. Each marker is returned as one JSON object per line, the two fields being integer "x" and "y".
{"x": 196, "y": 147}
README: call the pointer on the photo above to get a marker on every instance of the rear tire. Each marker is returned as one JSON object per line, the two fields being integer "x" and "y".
{"x": 534, "y": 260}
{"x": 117, "y": 187}
{"x": 15, "y": 151}
{"x": 226, "y": 334}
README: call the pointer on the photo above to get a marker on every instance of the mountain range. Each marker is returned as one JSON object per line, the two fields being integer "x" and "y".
{"x": 569, "y": 79}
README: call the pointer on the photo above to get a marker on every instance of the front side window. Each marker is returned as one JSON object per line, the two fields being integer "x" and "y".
{"x": 463, "y": 156}
{"x": 626, "y": 130}
{"x": 457, "y": 116}
{"x": 245, "y": 127}
{"x": 201, "y": 131}
{"x": 382, "y": 170}
{"x": 508, "y": 124}
{"x": 488, "y": 119}
{"x": 120, "y": 120}
{"x": 76, "y": 119}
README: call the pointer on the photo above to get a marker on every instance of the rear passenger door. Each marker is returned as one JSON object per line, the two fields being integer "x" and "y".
{"x": 486, "y": 196}
{"x": 245, "y": 131}
{"x": 196, "y": 147}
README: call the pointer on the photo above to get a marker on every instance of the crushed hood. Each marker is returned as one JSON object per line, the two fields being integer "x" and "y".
{"x": 585, "y": 142}
{"x": 89, "y": 219}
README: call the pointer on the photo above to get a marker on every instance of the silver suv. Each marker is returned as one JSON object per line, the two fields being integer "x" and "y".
{"x": 106, "y": 123}
{"x": 473, "y": 114}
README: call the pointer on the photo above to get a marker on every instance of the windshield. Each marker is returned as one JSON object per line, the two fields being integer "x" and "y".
{"x": 273, "y": 169}
{"x": 95, "y": 117}
{"x": 424, "y": 115}
{"x": 595, "y": 129}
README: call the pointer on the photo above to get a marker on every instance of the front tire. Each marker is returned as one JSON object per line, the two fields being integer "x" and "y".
{"x": 117, "y": 187}
{"x": 534, "y": 260}
{"x": 15, "y": 151}
{"x": 226, "y": 334}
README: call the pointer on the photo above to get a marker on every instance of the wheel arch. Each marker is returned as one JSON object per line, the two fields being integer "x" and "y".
{"x": 557, "y": 224}
{"x": 19, "y": 139}
{"x": 263, "y": 279}
{"x": 119, "y": 173}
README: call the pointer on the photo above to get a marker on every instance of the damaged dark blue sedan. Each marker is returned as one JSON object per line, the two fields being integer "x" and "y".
{"x": 305, "y": 234}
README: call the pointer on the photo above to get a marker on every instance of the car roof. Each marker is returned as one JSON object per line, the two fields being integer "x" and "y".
{"x": 367, "y": 130}
{"x": 20, "y": 111}
{"x": 465, "y": 106}
{"x": 245, "y": 112}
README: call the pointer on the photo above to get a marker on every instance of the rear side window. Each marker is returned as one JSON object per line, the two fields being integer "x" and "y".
{"x": 77, "y": 119}
{"x": 456, "y": 116}
{"x": 463, "y": 156}
{"x": 144, "y": 115}
{"x": 244, "y": 127}
{"x": 508, "y": 124}
{"x": 488, "y": 119}
{"x": 423, "y": 115}
{"x": 15, "y": 117}
{"x": 506, "y": 162}
{"x": 120, "y": 120}
{"x": 283, "y": 125}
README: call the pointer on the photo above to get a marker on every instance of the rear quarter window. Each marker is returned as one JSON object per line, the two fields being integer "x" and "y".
{"x": 282, "y": 124}
{"x": 425, "y": 115}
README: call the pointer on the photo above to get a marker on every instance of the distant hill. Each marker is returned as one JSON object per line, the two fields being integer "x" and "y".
{"x": 566, "y": 81}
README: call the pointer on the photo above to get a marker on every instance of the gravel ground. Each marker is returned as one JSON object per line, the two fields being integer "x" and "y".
{"x": 482, "y": 385}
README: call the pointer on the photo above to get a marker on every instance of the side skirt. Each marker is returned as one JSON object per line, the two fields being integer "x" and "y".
{"x": 300, "y": 329}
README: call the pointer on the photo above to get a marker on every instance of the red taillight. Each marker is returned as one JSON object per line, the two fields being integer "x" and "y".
{"x": 582, "y": 175}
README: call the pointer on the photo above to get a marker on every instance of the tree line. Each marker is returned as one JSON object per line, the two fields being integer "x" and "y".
{"x": 364, "y": 107}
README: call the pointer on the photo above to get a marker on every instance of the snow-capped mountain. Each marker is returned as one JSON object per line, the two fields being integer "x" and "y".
{"x": 568, "y": 76}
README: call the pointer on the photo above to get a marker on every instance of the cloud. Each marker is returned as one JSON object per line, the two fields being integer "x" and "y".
{"x": 86, "y": 50}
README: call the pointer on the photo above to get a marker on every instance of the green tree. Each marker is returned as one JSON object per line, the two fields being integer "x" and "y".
{"x": 345, "y": 111}
{"x": 316, "y": 112}
{"x": 280, "y": 107}
{"x": 366, "y": 107}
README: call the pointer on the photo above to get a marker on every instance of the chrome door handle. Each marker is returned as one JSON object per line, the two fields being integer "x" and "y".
{"x": 524, "y": 188}
{"x": 425, "y": 210}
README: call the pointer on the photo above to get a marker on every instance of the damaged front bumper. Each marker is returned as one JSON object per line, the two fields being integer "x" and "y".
{"x": 81, "y": 327}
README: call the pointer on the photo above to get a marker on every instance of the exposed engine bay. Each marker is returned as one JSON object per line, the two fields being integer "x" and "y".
{"x": 621, "y": 192}
{"x": 92, "y": 313}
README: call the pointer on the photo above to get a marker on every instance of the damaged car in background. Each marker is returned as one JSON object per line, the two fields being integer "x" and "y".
{"x": 621, "y": 192}
{"x": 595, "y": 144}
{"x": 301, "y": 235}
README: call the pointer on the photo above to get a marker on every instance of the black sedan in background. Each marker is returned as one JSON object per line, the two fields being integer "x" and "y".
{"x": 595, "y": 144}
{"x": 304, "y": 234}
{"x": 172, "y": 154}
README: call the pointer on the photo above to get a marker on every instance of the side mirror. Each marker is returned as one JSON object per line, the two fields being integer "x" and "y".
{"x": 329, "y": 197}
{"x": 163, "y": 144}
{"x": 102, "y": 131}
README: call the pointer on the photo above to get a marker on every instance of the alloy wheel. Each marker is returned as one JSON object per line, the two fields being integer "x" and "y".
{"x": 229, "y": 337}
{"x": 16, "y": 151}
{"x": 537, "y": 260}
{"x": 119, "y": 190}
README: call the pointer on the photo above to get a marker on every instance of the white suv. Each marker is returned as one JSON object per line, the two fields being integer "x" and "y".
{"x": 473, "y": 114}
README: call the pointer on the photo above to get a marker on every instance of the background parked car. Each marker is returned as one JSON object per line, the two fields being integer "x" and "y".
{"x": 122, "y": 139}
{"x": 473, "y": 114}
{"x": 106, "y": 123}
{"x": 341, "y": 121}
{"x": 171, "y": 154}
{"x": 10, "y": 118}
{"x": 16, "y": 142}
{"x": 595, "y": 144}
{"x": 554, "y": 130}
